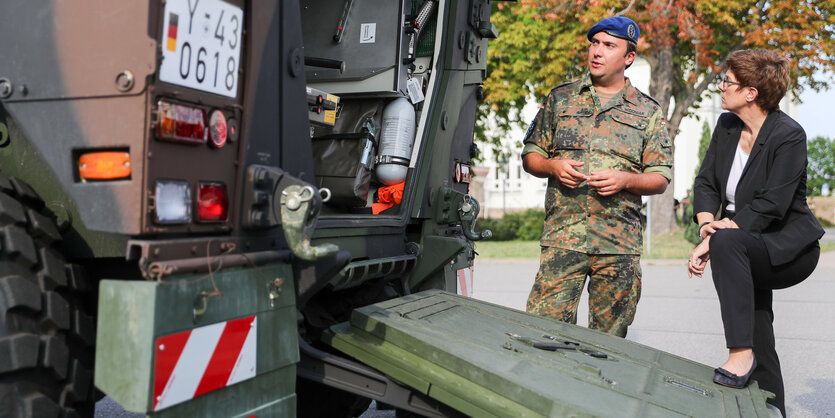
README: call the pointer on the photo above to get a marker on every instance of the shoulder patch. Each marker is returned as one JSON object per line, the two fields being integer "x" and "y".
{"x": 530, "y": 130}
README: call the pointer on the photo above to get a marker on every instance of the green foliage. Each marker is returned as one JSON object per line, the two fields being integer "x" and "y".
{"x": 821, "y": 169}
{"x": 691, "y": 230}
{"x": 542, "y": 43}
{"x": 704, "y": 142}
{"x": 826, "y": 223}
{"x": 517, "y": 226}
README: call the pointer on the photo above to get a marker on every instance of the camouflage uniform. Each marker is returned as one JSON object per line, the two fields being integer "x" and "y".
{"x": 585, "y": 233}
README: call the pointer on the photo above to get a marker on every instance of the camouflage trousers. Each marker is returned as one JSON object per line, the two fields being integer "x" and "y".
{"x": 614, "y": 288}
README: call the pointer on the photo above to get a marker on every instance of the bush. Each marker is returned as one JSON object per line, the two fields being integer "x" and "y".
{"x": 520, "y": 226}
{"x": 826, "y": 223}
{"x": 531, "y": 225}
{"x": 691, "y": 230}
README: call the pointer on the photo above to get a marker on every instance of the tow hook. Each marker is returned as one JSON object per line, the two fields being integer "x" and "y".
{"x": 300, "y": 207}
{"x": 468, "y": 212}
{"x": 450, "y": 205}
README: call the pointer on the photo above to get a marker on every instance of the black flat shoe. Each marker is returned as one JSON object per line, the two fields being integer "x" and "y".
{"x": 726, "y": 378}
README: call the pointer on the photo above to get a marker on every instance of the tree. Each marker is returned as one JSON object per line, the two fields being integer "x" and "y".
{"x": 686, "y": 42}
{"x": 821, "y": 168}
{"x": 691, "y": 229}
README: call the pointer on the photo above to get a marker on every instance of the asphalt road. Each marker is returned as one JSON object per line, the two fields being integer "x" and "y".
{"x": 681, "y": 316}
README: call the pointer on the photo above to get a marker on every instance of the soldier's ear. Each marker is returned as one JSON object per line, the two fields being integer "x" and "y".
{"x": 629, "y": 57}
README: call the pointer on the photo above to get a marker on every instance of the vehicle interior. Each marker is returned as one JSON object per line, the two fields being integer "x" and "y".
{"x": 369, "y": 76}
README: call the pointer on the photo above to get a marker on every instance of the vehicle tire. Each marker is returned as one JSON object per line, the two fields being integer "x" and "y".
{"x": 47, "y": 327}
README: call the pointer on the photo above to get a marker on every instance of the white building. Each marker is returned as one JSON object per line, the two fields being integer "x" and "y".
{"x": 511, "y": 189}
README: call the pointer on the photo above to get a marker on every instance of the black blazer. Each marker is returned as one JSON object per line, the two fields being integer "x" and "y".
{"x": 770, "y": 198}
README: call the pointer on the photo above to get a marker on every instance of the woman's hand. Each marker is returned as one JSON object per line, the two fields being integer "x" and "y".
{"x": 697, "y": 261}
{"x": 708, "y": 229}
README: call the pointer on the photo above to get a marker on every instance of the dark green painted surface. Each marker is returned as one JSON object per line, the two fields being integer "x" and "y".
{"x": 457, "y": 350}
{"x": 436, "y": 252}
{"x": 133, "y": 314}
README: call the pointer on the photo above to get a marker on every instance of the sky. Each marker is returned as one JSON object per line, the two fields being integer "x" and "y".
{"x": 817, "y": 113}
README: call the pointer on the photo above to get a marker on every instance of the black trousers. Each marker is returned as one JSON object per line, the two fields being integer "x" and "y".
{"x": 744, "y": 280}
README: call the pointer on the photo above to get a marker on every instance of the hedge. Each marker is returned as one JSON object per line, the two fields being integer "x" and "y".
{"x": 516, "y": 226}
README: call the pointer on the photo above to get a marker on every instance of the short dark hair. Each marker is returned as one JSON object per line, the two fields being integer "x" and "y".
{"x": 631, "y": 46}
{"x": 765, "y": 70}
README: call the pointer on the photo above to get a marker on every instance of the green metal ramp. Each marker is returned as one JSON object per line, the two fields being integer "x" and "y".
{"x": 489, "y": 361}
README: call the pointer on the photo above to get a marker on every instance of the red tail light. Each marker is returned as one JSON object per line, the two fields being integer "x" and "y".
{"x": 212, "y": 202}
{"x": 181, "y": 123}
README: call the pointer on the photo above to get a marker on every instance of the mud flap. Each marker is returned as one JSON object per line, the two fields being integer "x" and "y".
{"x": 170, "y": 348}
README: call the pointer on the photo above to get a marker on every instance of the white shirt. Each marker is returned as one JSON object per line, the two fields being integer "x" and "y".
{"x": 740, "y": 158}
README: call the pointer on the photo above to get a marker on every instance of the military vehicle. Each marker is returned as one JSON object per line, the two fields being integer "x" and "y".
{"x": 262, "y": 208}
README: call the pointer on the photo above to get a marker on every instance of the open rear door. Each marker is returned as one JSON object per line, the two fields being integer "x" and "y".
{"x": 489, "y": 361}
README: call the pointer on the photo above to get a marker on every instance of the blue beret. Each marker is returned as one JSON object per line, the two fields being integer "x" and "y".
{"x": 619, "y": 26}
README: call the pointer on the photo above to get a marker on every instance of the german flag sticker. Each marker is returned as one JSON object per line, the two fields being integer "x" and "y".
{"x": 171, "y": 45}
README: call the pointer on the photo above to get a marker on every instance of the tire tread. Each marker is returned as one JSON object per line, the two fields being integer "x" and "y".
{"x": 16, "y": 292}
{"x": 18, "y": 351}
{"x": 46, "y": 333}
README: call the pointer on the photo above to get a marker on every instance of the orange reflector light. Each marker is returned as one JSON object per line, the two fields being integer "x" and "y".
{"x": 104, "y": 165}
{"x": 212, "y": 202}
{"x": 181, "y": 123}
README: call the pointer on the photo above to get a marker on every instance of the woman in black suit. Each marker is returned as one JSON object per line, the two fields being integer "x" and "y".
{"x": 767, "y": 238}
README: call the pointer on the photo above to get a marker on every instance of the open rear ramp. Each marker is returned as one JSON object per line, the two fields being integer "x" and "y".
{"x": 489, "y": 361}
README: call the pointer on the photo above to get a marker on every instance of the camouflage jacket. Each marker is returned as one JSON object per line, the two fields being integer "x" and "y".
{"x": 627, "y": 134}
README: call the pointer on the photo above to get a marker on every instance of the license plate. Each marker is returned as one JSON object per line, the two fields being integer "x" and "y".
{"x": 201, "y": 45}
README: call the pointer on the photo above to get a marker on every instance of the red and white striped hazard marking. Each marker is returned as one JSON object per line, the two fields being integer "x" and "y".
{"x": 191, "y": 363}
{"x": 465, "y": 282}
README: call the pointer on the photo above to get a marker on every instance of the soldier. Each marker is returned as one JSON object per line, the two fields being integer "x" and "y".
{"x": 602, "y": 144}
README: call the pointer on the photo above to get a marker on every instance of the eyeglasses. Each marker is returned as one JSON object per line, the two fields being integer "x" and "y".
{"x": 724, "y": 80}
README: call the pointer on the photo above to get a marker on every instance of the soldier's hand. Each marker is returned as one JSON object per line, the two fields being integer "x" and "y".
{"x": 608, "y": 182}
{"x": 566, "y": 172}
